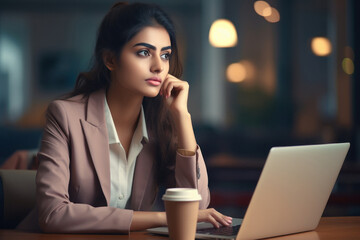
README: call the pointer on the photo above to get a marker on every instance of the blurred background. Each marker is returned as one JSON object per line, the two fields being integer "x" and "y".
{"x": 261, "y": 74}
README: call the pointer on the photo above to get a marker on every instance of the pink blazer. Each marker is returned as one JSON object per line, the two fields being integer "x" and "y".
{"x": 73, "y": 178}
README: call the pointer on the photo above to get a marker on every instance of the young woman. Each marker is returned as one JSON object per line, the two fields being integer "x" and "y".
{"x": 124, "y": 131}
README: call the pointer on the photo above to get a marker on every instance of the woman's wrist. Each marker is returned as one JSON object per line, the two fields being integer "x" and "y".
{"x": 185, "y": 132}
{"x": 143, "y": 220}
{"x": 182, "y": 119}
{"x": 180, "y": 113}
{"x": 162, "y": 218}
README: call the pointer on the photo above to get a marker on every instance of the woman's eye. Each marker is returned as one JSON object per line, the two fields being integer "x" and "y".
{"x": 143, "y": 53}
{"x": 166, "y": 56}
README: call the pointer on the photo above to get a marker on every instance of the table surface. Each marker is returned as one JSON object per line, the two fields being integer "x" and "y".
{"x": 329, "y": 228}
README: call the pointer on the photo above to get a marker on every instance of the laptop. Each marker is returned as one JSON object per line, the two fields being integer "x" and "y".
{"x": 290, "y": 196}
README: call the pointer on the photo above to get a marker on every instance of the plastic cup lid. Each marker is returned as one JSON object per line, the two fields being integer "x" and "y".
{"x": 181, "y": 194}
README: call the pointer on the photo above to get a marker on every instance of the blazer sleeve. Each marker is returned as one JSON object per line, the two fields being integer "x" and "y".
{"x": 190, "y": 172}
{"x": 55, "y": 210}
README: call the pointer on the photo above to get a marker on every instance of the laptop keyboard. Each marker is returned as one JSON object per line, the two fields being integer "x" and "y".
{"x": 224, "y": 231}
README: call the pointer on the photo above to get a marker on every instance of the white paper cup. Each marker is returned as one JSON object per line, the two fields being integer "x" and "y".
{"x": 182, "y": 207}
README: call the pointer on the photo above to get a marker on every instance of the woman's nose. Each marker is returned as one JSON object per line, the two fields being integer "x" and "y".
{"x": 157, "y": 65}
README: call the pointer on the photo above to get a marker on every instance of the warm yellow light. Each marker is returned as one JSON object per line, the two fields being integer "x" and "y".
{"x": 236, "y": 72}
{"x": 250, "y": 69}
{"x": 348, "y": 66}
{"x": 262, "y": 8}
{"x": 274, "y": 16}
{"x": 321, "y": 46}
{"x": 223, "y": 34}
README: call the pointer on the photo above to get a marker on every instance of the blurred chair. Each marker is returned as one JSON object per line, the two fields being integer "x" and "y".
{"x": 17, "y": 196}
{"x": 22, "y": 159}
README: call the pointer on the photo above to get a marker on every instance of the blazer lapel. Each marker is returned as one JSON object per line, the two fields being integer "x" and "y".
{"x": 142, "y": 174}
{"x": 96, "y": 136}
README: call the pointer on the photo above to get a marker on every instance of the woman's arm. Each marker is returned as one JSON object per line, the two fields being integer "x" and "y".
{"x": 190, "y": 172}
{"x": 144, "y": 220}
{"x": 190, "y": 169}
{"x": 57, "y": 211}
{"x": 176, "y": 93}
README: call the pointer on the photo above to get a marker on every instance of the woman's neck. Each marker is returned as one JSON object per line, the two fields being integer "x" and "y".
{"x": 124, "y": 108}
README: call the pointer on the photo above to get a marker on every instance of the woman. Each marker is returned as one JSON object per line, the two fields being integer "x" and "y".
{"x": 124, "y": 131}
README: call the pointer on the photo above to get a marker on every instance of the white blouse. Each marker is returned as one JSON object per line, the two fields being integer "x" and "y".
{"x": 121, "y": 167}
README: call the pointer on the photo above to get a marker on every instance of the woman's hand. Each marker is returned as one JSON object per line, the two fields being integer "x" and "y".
{"x": 214, "y": 217}
{"x": 176, "y": 93}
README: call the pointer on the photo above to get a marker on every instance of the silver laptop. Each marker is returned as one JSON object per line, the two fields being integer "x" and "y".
{"x": 290, "y": 196}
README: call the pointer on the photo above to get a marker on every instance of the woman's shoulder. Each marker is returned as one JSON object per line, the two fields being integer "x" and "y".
{"x": 72, "y": 107}
{"x": 76, "y": 106}
{"x": 74, "y": 102}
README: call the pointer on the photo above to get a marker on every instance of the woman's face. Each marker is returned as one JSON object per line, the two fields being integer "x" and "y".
{"x": 143, "y": 63}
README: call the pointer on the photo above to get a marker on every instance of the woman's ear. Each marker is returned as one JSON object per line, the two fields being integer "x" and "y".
{"x": 109, "y": 59}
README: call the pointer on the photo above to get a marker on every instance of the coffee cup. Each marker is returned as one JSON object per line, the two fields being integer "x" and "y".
{"x": 182, "y": 207}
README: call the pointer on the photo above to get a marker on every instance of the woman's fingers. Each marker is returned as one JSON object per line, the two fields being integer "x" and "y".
{"x": 223, "y": 220}
{"x": 165, "y": 85}
{"x": 176, "y": 93}
{"x": 171, "y": 83}
{"x": 214, "y": 217}
{"x": 214, "y": 222}
{"x": 220, "y": 218}
{"x": 168, "y": 89}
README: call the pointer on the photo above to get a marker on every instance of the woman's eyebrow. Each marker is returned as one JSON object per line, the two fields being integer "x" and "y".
{"x": 151, "y": 46}
{"x": 166, "y": 48}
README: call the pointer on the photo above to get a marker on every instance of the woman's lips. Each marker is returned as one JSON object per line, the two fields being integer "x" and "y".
{"x": 154, "y": 81}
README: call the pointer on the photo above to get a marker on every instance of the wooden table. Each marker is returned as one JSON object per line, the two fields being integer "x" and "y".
{"x": 342, "y": 228}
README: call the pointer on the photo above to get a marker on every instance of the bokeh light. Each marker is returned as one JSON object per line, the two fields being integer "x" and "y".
{"x": 274, "y": 16}
{"x": 223, "y": 34}
{"x": 348, "y": 66}
{"x": 236, "y": 72}
{"x": 240, "y": 71}
{"x": 321, "y": 46}
{"x": 262, "y": 8}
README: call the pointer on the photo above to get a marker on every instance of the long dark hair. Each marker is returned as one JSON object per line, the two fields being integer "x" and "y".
{"x": 119, "y": 25}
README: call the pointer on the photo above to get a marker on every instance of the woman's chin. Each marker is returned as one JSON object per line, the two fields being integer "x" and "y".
{"x": 152, "y": 94}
